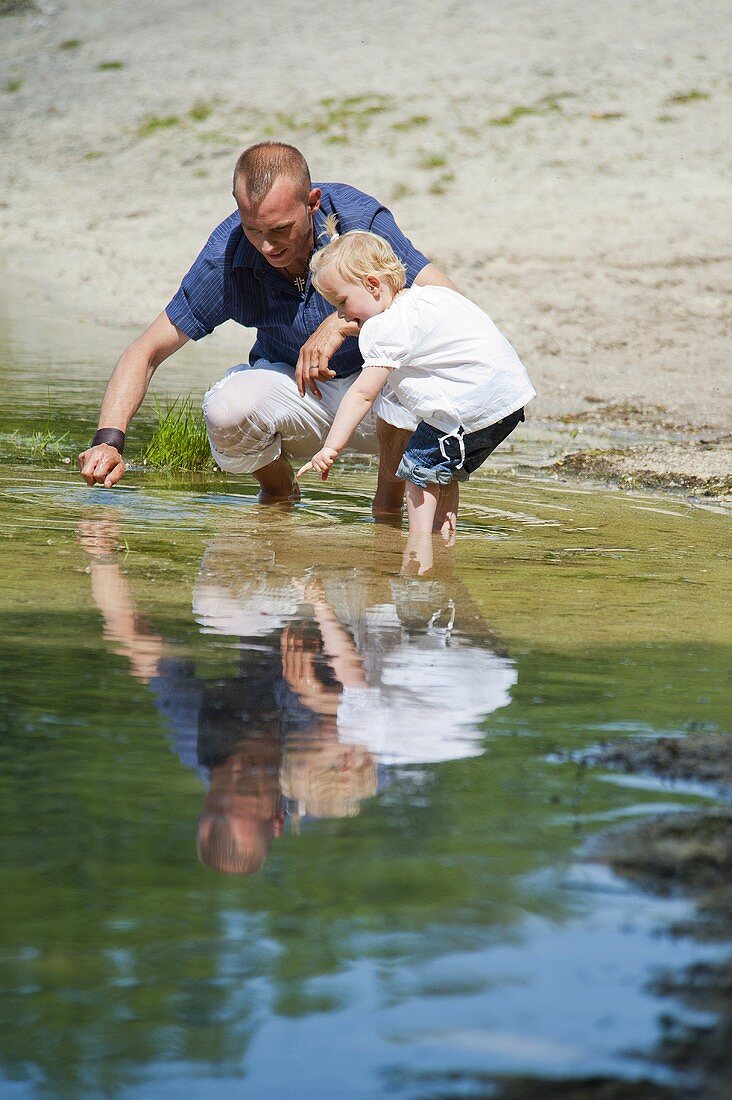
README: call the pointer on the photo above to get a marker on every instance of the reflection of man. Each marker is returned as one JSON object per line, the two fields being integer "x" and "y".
{"x": 229, "y": 730}
{"x": 254, "y": 270}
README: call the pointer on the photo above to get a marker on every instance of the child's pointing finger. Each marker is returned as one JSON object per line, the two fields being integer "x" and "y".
{"x": 304, "y": 469}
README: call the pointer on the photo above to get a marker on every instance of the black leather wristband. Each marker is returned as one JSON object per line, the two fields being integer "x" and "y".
{"x": 112, "y": 436}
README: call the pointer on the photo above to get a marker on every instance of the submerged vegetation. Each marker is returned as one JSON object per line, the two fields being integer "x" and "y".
{"x": 41, "y": 445}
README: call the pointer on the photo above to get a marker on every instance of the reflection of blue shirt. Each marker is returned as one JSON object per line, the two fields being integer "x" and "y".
{"x": 230, "y": 280}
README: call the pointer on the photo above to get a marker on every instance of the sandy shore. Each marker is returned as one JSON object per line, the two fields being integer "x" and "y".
{"x": 567, "y": 164}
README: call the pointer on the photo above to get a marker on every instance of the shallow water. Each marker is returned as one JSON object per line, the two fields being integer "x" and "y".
{"x": 182, "y": 667}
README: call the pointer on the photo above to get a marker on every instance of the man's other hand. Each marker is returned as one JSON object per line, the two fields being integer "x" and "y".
{"x": 317, "y": 351}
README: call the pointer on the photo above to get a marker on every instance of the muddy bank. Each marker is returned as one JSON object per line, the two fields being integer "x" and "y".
{"x": 656, "y": 449}
{"x": 698, "y": 757}
{"x": 694, "y": 469}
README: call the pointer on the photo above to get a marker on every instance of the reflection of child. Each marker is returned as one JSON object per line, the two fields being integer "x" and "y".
{"x": 324, "y": 777}
{"x": 443, "y": 358}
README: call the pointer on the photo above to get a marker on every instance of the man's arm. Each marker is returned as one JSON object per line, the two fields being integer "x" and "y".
{"x": 124, "y": 395}
{"x": 432, "y": 276}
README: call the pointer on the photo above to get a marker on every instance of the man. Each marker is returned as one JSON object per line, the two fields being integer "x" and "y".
{"x": 254, "y": 269}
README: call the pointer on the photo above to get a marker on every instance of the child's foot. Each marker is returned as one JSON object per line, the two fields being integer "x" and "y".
{"x": 447, "y": 526}
{"x": 448, "y": 535}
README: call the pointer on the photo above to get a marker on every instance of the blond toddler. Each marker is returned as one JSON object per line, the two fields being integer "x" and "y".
{"x": 440, "y": 355}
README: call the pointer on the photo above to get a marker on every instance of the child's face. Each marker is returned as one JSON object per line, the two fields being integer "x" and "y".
{"x": 355, "y": 301}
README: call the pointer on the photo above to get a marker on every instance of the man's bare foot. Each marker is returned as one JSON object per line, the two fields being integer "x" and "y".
{"x": 388, "y": 507}
{"x": 277, "y": 483}
{"x": 264, "y": 497}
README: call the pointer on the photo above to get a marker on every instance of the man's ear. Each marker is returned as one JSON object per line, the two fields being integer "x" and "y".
{"x": 314, "y": 200}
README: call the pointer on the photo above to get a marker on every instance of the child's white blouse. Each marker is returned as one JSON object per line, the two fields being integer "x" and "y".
{"x": 449, "y": 363}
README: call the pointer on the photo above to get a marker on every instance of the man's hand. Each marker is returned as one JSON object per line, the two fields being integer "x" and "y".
{"x": 315, "y": 354}
{"x": 321, "y": 462}
{"x": 101, "y": 465}
{"x": 126, "y": 388}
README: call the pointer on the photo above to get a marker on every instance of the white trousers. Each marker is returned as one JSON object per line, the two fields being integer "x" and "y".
{"x": 255, "y": 414}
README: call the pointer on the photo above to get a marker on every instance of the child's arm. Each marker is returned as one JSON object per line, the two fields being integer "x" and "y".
{"x": 351, "y": 411}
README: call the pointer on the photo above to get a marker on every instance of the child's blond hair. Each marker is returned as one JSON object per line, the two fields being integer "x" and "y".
{"x": 358, "y": 254}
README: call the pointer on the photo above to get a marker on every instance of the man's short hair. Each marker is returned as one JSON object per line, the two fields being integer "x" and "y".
{"x": 260, "y": 165}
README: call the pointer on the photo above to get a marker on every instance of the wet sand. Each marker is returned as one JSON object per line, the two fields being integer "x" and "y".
{"x": 567, "y": 166}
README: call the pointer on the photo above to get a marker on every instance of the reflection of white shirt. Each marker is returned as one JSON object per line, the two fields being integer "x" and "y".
{"x": 428, "y": 691}
{"x": 263, "y": 607}
{"x": 449, "y": 363}
{"x": 429, "y": 703}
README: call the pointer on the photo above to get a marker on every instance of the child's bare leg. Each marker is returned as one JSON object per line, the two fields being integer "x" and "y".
{"x": 422, "y": 507}
{"x": 445, "y": 520}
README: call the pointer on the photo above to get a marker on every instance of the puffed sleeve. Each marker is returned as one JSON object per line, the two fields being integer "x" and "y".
{"x": 387, "y": 340}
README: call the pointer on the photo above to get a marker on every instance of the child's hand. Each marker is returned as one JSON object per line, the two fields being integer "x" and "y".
{"x": 321, "y": 462}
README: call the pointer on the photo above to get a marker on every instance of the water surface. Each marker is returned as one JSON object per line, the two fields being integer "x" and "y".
{"x": 195, "y": 686}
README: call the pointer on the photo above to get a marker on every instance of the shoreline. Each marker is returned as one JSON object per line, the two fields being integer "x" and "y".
{"x": 624, "y": 446}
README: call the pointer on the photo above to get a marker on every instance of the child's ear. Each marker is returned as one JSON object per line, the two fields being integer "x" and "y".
{"x": 372, "y": 283}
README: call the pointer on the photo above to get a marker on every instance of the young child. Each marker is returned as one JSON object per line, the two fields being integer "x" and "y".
{"x": 442, "y": 357}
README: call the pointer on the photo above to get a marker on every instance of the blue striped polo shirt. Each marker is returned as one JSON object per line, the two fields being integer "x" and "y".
{"x": 230, "y": 280}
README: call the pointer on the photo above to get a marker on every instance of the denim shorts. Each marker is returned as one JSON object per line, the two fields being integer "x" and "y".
{"x": 434, "y": 457}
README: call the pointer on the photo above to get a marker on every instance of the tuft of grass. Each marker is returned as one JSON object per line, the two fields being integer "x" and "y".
{"x": 155, "y": 122}
{"x": 337, "y": 119}
{"x": 110, "y": 66}
{"x": 200, "y": 111}
{"x": 441, "y": 184}
{"x": 70, "y": 44}
{"x": 687, "y": 97}
{"x": 43, "y": 445}
{"x": 13, "y": 85}
{"x": 93, "y": 154}
{"x": 432, "y": 160}
{"x": 544, "y": 106}
{"x": 400, "y": 192}
{"x": 665, "y": 118}
{"x": 15, "y": 7}
{"x": 602, "y": 116}
{"x": 410, "y": 123}
{"x": 179, "y": 441}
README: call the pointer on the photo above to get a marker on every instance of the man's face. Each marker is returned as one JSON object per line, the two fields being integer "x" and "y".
{"x": 280, "y": 226}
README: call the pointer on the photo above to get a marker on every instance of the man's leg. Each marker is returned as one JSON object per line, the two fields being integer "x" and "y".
{"x": 447, "y": 509}
{"x": 255, "y": 417}
{"x": 389, "y": 496}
